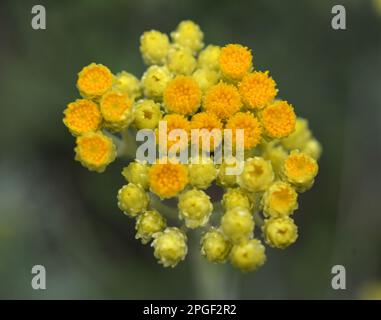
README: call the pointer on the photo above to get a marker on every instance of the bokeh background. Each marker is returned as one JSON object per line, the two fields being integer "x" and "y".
{"x": 56, "y": 213}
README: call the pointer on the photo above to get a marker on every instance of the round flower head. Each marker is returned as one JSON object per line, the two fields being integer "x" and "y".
{"x": 195, "y": 208}
{"x": 257, "y": 89}
{"x": 300, "y": 170}
{"x": 248, "y": 255}
{"x": 147, "y": 224}
{"x": 95, "y": 151}
{"x": 189, "y": 35}
{"x": 237, "y": 224}
{"x": 206, "y": 122}
{"x": 127, "y": 83}
{"x": 205, "y": 78}
{"x": 94, "y": 80}
{"x": 116, "y": 109}
{"x": 225, "y": 179}
{"x": 182, "y": 95}
{"x": 252, "y": 129}
{"x": 170, "y": 247}
{"x": 257, "y": 175}
{"x": 312, "y": 148}
{"x": 202, "y": 173}
{"x": 154, "y": 47}
{"x": 82, "y": 116}
{"x": 147, "y": 114}
{"x": 175, "y": 122}
{"x": 278, "y": 119}
{"x": 210, "y": 58}
{"x": 235, "y": 61}
{"x": 167, "y": 179}
{"x": 235, "y": 197}
{"x": 181, "y": 61}
{"x": 223, "y": 100}
{"x": 137, "y": 173}
{"x": 214, "y": 246}
{"x": 280, "y": 199}
{"x": 132, "y": 199}
{"x": 154, "y": 81}
{"x": 300, "y": 136}
{"x": 280, "y": 232}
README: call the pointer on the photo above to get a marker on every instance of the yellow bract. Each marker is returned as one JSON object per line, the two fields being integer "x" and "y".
{"x": 214, "y": 246}
{"x": 248, "y": 255}
{"x": 170, "y": 247}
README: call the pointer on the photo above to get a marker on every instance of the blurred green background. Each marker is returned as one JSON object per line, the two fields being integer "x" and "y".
{"x": 56, "y": 213}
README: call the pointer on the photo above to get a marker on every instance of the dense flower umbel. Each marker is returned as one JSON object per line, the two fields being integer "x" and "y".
{"x": 211, "y": 89}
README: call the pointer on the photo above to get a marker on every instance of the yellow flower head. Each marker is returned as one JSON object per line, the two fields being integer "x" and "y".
{"x": 257, "y": 89}
{"x": 237, "y": 224}
{"x": 214, "y": 246}
{"x": 206, "y": 121}
{"x": 205, "y": 78}
{"x": 154, "y": 47}
{"x": 300, "y": 136}
{"x": 147, "y": 114}
{"x": 224, "y": 179}
{"x": 149, "y": 223}
{"x": 300, "y": 170}
{"x": 189, "y": 35}
{"x": 248, "y": 255}
{"x": 278, "y": 119}
{"x": 167, "y": 179}
{"x": 137, "y": 173}
{"x": 202, "y": 174}
{"x": 182, "y": 95}
{"x": 175, "y": 121}
{"x": 210, "y": 58}
{"x": 127, "y": 83}
{"x": 132, "y": 199}
{"x": 95, "y": 151}
{"x": 195, "y": 208}
{"x": 154, "y": 81}
{"x": 250, "y": 124}
{"x": 257, "y": 175}
{"x": 180, "y": 60}
{"x": 235, "y": 61}
{"x": 280, "y": 232}
{"x": 235, "y": 197}
{"x": 116, "y": 109}
{"x": 170, "y": 246}
{"x": 94, "y": 80}
{"x": 280, "y": 199}
{"x": 312, "y": 148}
{"x": 82, "y": 116}
{"x": 223, "y": 100}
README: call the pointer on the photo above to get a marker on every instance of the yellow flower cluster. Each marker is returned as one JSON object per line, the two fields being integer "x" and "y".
{"x": 195, "y": 87}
